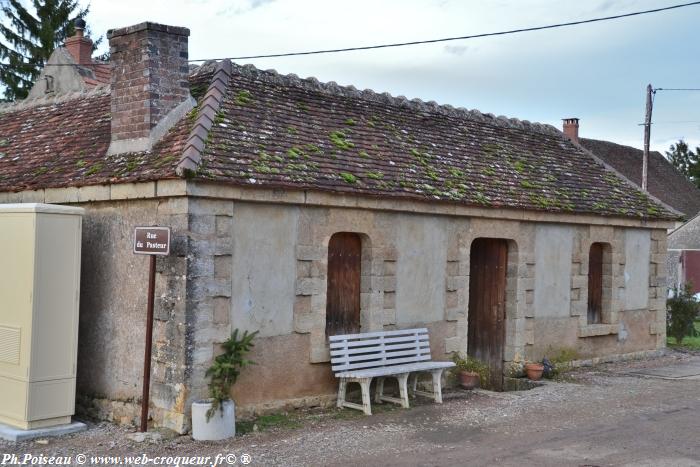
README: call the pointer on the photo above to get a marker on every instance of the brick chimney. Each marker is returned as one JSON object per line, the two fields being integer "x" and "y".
{"x": 571, "y": 129}
{"x": 78, "y": 46}
{"x": 150, "y": 90}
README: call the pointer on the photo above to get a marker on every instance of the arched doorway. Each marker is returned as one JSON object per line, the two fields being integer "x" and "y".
{"x": 343, "y": 291}
{"x": 487, "y": 304}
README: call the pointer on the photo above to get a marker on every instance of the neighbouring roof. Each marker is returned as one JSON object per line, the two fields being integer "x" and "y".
{"x": 663, "y": 180}
{"x": 687, "y": 236}
{"x": 270, "y": 130}
{"x": 101, "y": 73}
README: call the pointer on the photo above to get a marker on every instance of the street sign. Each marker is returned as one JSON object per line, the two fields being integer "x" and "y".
{"x": 152, "y": 240}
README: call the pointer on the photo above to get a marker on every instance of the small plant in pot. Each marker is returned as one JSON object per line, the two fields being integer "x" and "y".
{"x": 471, "y": 372}
{"x": 215, "y": 418}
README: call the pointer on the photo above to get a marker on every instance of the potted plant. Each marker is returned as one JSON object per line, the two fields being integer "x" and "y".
{"x": 534, "y": 370}
{"x": 207, "y": 424}
{"x": 471, "y": 372}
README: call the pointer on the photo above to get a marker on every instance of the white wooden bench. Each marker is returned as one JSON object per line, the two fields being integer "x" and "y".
{"x": 358, "y": 358}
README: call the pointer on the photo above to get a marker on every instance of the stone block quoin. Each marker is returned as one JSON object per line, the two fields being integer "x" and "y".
{"x": 149, "y": 76}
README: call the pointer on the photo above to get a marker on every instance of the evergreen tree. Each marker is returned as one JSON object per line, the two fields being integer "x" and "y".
{"x": 685, "y": 160}
{"x": 29, "y": 38}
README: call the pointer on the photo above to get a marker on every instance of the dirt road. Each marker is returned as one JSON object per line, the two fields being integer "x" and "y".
{"x": 599, "y": 416}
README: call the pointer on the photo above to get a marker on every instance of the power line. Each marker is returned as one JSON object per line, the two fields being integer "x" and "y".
{"x": 432, "y": 41}
{"x": 677, "y": 89}
{"x": 446, "y": 39}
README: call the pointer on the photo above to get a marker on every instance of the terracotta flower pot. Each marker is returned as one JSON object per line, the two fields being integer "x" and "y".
{"x": 468, "y": 379}
{"x": 534, "y": 371}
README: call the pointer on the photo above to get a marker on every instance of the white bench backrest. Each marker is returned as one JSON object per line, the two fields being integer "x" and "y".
{"x": 379, "y": 349}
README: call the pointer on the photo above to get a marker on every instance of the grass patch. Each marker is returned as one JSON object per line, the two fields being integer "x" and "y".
{"x": 283, "y": 421}
{"x": 691, "y": 343}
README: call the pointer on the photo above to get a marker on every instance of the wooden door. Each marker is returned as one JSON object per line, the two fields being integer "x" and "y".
{"x": 343, "y": 293}
{"x": 595, "y": 283}
{"x": 487, "y": 305}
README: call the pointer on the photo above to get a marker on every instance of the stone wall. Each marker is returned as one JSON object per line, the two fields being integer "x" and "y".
{"x": 415, "y": 272}
{"x": 262, "y": 266}
{"x": 113, "y": 301}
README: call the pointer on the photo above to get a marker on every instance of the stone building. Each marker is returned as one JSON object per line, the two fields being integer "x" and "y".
{"x": 501, "y": 236}
{"x": 668, "y": 185}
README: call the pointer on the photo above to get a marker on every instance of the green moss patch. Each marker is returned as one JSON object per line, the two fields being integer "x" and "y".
{"x": 339, "y": 140}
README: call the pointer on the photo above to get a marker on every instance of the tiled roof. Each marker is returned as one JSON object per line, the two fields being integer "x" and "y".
{"x": 102, "y": 72}
{"x": 664, "y": 181}
{"x": 281, "y": 131}
{"x": 63, "y": 142}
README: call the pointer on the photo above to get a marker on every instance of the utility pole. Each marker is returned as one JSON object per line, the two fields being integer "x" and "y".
{"x": 647, "y": 135}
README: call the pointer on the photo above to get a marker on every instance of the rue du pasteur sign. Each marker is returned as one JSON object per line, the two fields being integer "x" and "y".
{"x": 152, "y": 240}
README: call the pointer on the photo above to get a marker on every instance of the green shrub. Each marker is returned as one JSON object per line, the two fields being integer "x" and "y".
{"x": 227, "y": 367}
{"x": 681, "y": 312}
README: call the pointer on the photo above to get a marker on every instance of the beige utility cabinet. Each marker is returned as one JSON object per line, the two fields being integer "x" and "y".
{"x": 39, "y": 292}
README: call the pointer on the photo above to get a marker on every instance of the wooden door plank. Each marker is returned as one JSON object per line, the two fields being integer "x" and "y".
{"x": 487, "y": 294}
{"x": 343, "y": 292}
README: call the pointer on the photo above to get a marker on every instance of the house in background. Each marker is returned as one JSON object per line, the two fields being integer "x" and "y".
{"x": 664, "y": 183}
{"x": 684, "y": 255}
{"x": 501, "y": 236}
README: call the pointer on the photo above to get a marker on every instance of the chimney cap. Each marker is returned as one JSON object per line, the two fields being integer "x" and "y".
{"x": 79, "y": 23}
{"x": 571, "y": 120}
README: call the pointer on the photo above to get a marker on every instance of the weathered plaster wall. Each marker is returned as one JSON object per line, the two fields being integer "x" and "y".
{"x": 64, "y": 79}
{"x": 264, "y": 268}
{"x": 420, "y": 274}
{"x": 553, "y": 249}
{"x": 637, "y": 244}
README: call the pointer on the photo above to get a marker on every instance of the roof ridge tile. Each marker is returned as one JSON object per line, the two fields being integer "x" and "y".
{"x": 210, "y": 105}
{"x": 102, "y": 89}
{"x": 331, "y": 87}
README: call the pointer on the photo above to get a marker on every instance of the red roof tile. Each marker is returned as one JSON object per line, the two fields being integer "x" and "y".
{"x": 281, "y": 131}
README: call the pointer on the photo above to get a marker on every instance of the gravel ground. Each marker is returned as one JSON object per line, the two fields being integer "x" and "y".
{"x": 595, "y": 416}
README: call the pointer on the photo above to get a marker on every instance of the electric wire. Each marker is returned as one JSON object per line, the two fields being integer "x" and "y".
{"x": 431, "y": 41}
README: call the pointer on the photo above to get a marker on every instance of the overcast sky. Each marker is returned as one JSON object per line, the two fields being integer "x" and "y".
{"x": 595, "y": 72}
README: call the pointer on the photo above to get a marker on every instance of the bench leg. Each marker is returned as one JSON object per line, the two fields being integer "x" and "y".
{"x": 364, "y": 386}
{"x": 412, "y": 384}
{"x": 436, "y": 394}
{"x": 402, "y": 379}
{"x": 437, "y": 385}
{"x": 403, "y": 390}
{"x": 366, "y": 402}
{"x": 379, "y": 391}
{"x": 342, "y": 388}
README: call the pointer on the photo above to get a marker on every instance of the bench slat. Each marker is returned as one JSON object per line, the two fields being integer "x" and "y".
{"x": 377, "y": 334}
{"x": 376, "y": 341}
{"x": 379, "y": 363}
{"x": 379, "y": 348}
{"x": 387, "y": 356}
